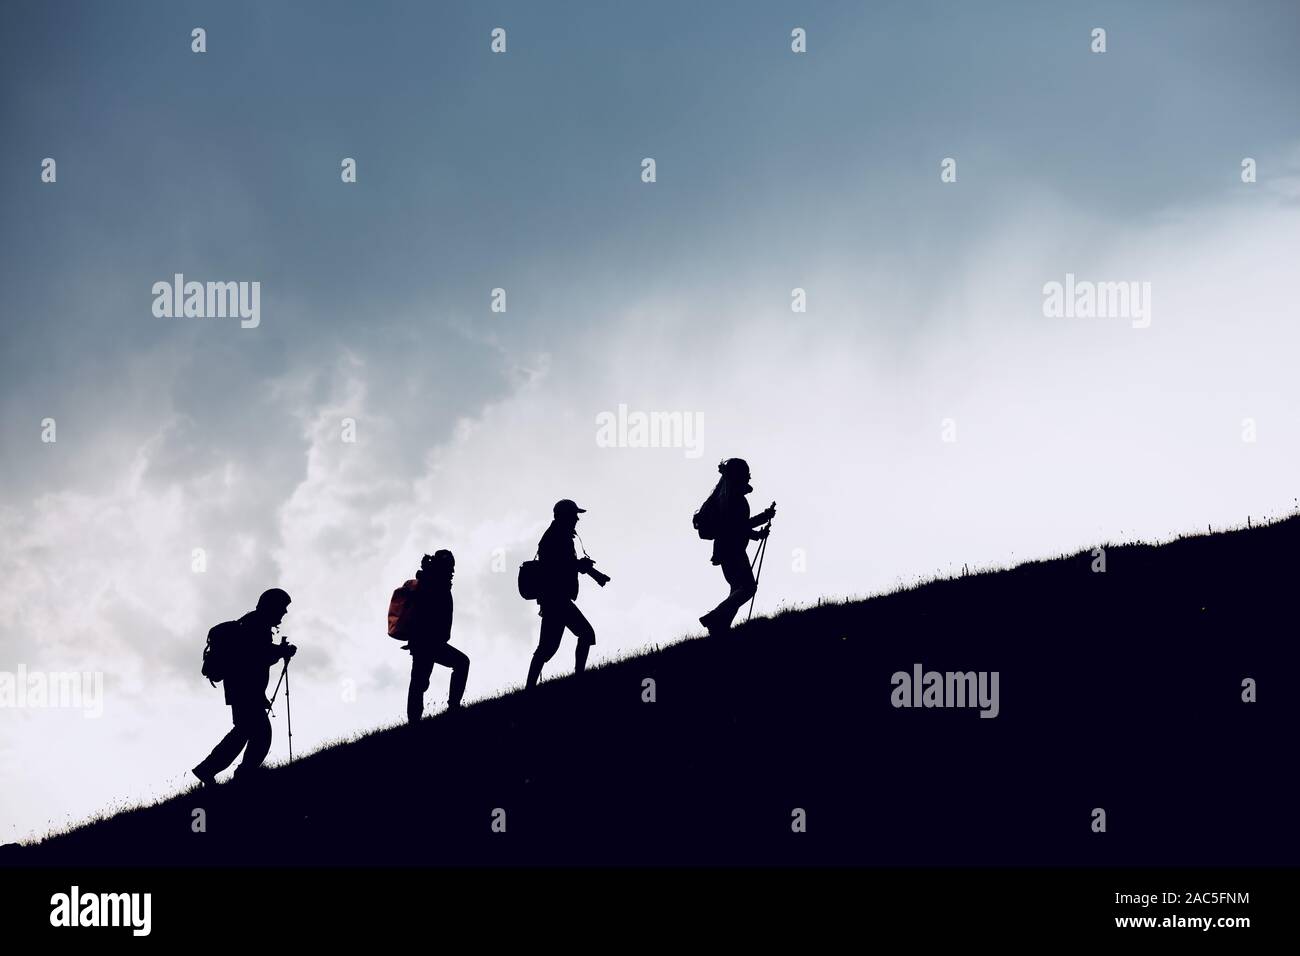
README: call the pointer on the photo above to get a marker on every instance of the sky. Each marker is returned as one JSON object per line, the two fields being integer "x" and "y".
{"x": 923, "y": 414}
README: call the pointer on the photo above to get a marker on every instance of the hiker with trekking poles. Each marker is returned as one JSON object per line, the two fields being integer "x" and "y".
{"x": 240, "y": 654}
{"x": 420, "y": 613}
{"x": 551, "y": 579}
{"x": 724, "y": 519}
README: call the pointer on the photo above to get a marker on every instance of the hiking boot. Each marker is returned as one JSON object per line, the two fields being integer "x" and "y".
{"x": 714, "y": 628}
{"x": 248, "y": 777}
{"x": 205, "y": 779}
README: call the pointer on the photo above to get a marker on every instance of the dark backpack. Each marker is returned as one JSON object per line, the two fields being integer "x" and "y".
{"x": 216, "y": 654}
{"x": 532, "y": 579}
{"x": 705, "y": 520}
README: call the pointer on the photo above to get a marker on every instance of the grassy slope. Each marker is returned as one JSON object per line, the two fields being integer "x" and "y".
{"x": 1118, "y": 690}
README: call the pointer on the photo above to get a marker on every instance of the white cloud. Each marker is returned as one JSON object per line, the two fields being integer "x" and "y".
{"x": 1070, "y": 432}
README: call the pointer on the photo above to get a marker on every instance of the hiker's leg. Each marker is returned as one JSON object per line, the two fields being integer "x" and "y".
{"x": 225, "y": 752}
{"x": 736, "y": 569}
{"x": 421, "y": 668}
{"x": 577, "y": 622}
{"x": 721, "y": 615}
{"x": 552, "y": 630}
{"x": 448, "y": 656}
{"x": 258, "y": 728}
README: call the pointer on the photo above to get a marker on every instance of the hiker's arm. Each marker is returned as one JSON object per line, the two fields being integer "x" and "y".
{"x": 559, "y": 557}
{"x": 763, "y": 517}
{"x": 563, "y": 562}
{"x": 280, "y": 652}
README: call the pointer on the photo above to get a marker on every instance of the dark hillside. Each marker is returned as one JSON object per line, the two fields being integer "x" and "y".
{"x": 1120, "y": 690}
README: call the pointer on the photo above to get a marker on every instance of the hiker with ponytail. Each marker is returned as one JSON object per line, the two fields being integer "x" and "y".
{"x": 725, "y": 519}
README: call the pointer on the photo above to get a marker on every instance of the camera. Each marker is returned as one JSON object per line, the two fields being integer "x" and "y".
{"x": 588, "y": 567}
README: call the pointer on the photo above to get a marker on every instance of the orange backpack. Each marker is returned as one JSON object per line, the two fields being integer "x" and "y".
{"x": 399, "y": 606}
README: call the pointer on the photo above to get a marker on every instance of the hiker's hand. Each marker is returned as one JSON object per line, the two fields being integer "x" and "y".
{"x": 585, "y": 564}
{"x": 770, "y": 513}
{"x": 760, "y": 534}
{"x": 289, "y": 651}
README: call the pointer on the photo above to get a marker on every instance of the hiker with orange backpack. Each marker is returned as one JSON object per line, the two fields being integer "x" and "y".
{"x": 240, "y": 655}
{"x": 420, "y": 613}
{"x": 724, "y": 518}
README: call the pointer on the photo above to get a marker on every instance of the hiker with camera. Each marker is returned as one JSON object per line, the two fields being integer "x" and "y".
{"x": 724, "y": 518}
{"x": 240, "y": 654}
{"x": 420, "y": 613}
{"x": 558, "y": 567}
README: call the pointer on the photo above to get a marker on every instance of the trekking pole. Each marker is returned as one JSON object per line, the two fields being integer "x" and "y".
{"x": 288, "y": 712}
{"x": 758, "y": 558}
{"x": 276, "y": 693}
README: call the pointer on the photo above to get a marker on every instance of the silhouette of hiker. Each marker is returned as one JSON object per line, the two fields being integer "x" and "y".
{"x": 561, "y": 564}
{"x": 247, "y": 659}
{"x": 734, "y": 529}
{"x": 429, "y": 631}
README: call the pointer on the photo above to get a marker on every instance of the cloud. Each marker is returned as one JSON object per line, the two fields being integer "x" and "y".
{"x": 1069, "y": 433}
